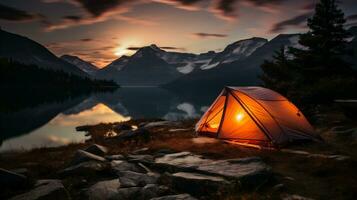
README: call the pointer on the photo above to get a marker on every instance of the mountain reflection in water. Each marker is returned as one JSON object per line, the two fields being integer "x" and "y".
{"x": 53, "y": 124}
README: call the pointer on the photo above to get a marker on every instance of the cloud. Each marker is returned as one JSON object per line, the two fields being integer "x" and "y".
{"x": 173, "y": 48}
{"x": 86, "y": 40}
{"x": 72, "y": 18}
{"x": 296, "y": 21}
{"x": 209, "y": 35}
{"x": 13, "y": 14}
{"x": 225, "y": 9}
{"x": 183, "y": 4}
{"x": 99, "y": 7}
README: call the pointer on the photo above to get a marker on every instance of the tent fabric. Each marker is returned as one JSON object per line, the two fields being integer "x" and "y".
{"x": 255, "y": 115}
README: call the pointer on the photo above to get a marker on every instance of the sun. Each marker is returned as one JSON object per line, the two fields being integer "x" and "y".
{"x": 120, "y": 51}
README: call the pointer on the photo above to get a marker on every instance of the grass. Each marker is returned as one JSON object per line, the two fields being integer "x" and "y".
{"x": 318, "y": 178}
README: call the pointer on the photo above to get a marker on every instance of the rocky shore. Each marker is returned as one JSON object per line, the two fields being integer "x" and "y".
{"x": 161, "y": 160}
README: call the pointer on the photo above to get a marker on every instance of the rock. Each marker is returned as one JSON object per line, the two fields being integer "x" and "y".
{"x": 122, "y": 165}
{"x": 141, "y": 158}
{"x": 128, "y": 193}
{"x": 249, "y": 171}
{"x": 10, "y": 179}
{"x": 175, "y": 197}
{"x": 23, "y": 171}
{"x": 135, "y": 179}
{"x": 161, "y": 123}
{"x": 339, "y": 157}
{"x": 83, "y": 156}
{"x": 278, "y": 187}
{"x": 114, "y": 157}
{"x": 162, "y": 152}
{"x": 85, "y": 168}
{"x": 97, "y": 150}
{"x": 294, "y": 197}
{"x": 147, "y": 192}
{"x": 128, "y": 134}
{"x": 103, "y": 190}
{"x": 141, "y": 151}
{"x": 45, "y": 190}
{"x": 152, "y": 190}
{"x": 122, "y": 127}
{"x": 289, "y": 178}
{"x": 199, "y": 184}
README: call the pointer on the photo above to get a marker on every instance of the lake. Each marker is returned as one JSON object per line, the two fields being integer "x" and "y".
{"x": 52, "y": 123}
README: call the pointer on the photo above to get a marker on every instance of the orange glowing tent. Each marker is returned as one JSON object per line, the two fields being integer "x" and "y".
{"x": 255, "y": 116}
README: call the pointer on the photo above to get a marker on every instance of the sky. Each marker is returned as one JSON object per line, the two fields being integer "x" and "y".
{"x": 100, "y": 31}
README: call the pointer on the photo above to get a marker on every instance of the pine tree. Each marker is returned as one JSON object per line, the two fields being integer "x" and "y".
{"x": 325, "y": 44}
{"x": 322, "y": 72}
{"x": 278, "y": 73}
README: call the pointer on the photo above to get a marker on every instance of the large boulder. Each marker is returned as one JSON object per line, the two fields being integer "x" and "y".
{"x": 141, "y": 158}
{"x": 122, "y": 165}
{"x": 161, "y": 123}
{"x": 141, "y": 133}
{"x": 143, "y": 193}
{"x": 45, "y": 190}
{"x": 128, "y": 193}
{"x": 122, "y": 127}
{"x": 250, "y": 171}
{"x": 135, "y": 179}
{"x": 85, "y": 169}
{"x": 175, "y": 197}
{"x": 83, "y": 156}
{"x": 199, "y": 184}
{"x": 294, "y": 197}
{"x": 10, "y": 179}
{"x": 97, "y": 150}
{"x": 103, "y": 190}
{"x": 114, "y": 157}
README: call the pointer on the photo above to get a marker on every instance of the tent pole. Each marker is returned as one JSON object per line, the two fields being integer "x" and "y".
{"x": 224, "y": 110}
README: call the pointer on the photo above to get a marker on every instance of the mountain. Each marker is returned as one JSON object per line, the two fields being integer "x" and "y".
{"x": 237, "y": 51}
{"x": 243, "y": 71}
{"x": 144, "y": 68}
{"x": 27, "y": 51}
{"x": 85, "y": 66}
{"x": 184, "y": 63}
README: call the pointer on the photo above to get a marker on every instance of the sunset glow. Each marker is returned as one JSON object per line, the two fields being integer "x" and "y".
{"x": 101, "y": 35}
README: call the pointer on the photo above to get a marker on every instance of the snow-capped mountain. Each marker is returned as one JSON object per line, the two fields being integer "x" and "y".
{"x": 242, "y": 71}
{"x": 144, "y": 68}
{"x": 236, "y": 51}
{"x": 27, "y": 51}
{"x": 85, "y": 66}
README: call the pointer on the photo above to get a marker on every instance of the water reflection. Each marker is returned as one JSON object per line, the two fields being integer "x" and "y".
{"x": 53, "y": 124}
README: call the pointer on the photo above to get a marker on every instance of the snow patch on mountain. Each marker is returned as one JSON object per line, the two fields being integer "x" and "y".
{"x": 188, "y": 68}
{"x": 209, "y": 66}
{"x": 85, "y": 66}
{"x": 247, "y": 47}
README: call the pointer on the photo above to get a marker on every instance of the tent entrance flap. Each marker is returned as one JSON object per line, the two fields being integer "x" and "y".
{"x": 210, "y": 122}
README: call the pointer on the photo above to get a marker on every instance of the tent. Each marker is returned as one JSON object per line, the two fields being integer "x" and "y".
{"x": 255, "y": 116}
